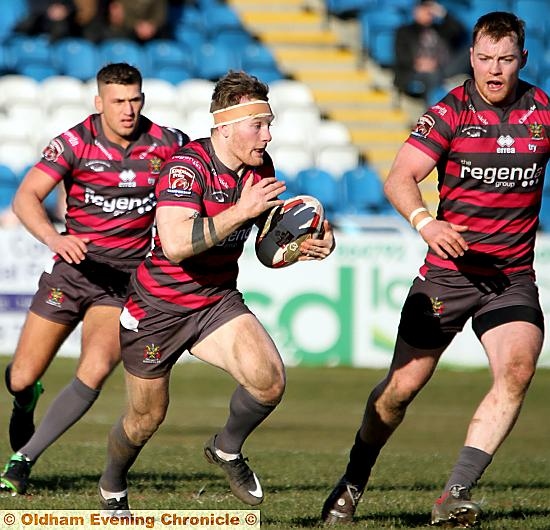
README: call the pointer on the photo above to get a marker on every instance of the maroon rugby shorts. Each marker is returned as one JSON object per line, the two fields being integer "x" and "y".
{"x": 152, "y": 340}
{"x": 66, "y": 292}
{"x": 439, "y": 305}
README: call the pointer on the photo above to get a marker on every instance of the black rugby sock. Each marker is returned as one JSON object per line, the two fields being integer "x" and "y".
{"x": 23, "y": 397}
{"x": 245, "y": 414}
{"x": 361, "y": 460}
{"x": 469, "y": 467}
{"x": 121, "y": 454}
{"x": 66, "y": 409}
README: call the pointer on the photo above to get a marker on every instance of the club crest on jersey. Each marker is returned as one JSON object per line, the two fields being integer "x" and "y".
{"x": 423, "y": 126}
{"x": 155, "y": 164}
{"x": 52, "y": 151}
{"x": 536, "y": 131}
{"x": 180, "y": 181}
{"x": 55, "y": 297}
{"x": 151, "y": 355}
{"x": 437, "y": 306}
{"x": 127, "y": 179}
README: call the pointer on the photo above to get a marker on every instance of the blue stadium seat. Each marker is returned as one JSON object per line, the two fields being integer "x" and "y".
{"x": 266, "y": 74}
{"x": 190, "y": 38}
{"x": 255, "y": 54}
{"x": 364, "y": 191}
{"x": 322, "y": 185}
{"x": 469, "y": 15}
{"x": 544, "y": 217}
{"x": 436, "y": 94}
{"x": 378, "y": 32}
{"x": 291, "y": 189}
{"x": 8, "y": 185}
{"x": 213, "y": 61}
{"x": 76, "y": 57}
{"x": 349, "y": 7}
{"x": 533, "y": 13}
{"x": 169, "y": 60}
{"x": 124, "y": 50}
{"x": 189, "y": 28}
{"x": 12, "y": 12}
{"x": 218, "y": 17}
{"x": 30, "y": 56}
{"x": 236, "y": 38}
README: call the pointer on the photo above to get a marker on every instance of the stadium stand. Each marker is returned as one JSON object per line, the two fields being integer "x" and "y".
{"x": 15, "y": 88}
{"x": 327, "y": 63}
{"x": 76, "y": 57}
{"x": 168, "y": 60}
{"x": 321, "y": 184}
{"x": 61, "y": 90}
{"x": 8, "y": 185}
{"x": 363, "y": 191}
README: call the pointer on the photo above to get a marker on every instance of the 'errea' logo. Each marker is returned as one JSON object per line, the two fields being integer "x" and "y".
{"x": 505, "y": 144}
{"x": 504, "y": 176}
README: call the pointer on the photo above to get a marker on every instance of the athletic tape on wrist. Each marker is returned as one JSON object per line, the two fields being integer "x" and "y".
{"x": 423, "y": 222}
{"x": 414, "y": 213}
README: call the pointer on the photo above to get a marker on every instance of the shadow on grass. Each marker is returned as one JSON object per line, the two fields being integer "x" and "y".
{"x": 83, "y": 482}
{"x": 419, "y": 520}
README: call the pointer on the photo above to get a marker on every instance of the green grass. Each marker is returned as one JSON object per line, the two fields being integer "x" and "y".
{"x": 300, "y": 451}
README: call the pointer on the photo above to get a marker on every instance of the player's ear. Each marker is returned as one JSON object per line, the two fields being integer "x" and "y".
{"x": 224, "y": 130}
{"x": 524, "y": 55}
{"x": 98, "y": 102}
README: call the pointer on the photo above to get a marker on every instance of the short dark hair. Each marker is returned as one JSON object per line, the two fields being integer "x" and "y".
{"x": 500, "y": 24}
{"x": 235, "y": 85}
{"x": 119, "y": 74}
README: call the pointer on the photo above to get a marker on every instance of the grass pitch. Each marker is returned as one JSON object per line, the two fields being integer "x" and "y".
{"x": 300, "y": 451}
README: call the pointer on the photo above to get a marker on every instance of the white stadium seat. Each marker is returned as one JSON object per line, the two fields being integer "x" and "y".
{"x": 61, "y": 90}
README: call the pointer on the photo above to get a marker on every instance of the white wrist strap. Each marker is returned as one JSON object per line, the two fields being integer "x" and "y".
{"x": 414, "y": 213}
{"x": 423, "y": 223}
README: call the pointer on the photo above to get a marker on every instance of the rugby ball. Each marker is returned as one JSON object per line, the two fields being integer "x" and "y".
{"x": 278, "y": 240}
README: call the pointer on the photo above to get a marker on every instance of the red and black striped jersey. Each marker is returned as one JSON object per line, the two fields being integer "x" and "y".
{"x": 111, "y": 189}
{"x": 195, "y": 178}
{"x": 490, "y": 164}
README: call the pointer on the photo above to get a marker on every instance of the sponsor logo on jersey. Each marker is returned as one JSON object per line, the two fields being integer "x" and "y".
{"x": 220, "y": 196}
{"x": 527, "y": 114}
{"x": 71, "y": 138}
{"x": 478, "y": 116}
{"x": 474, "y": 131}
{"x": 127, "y": 179}
{"x": 55, "y": 297}
{"x": 103, "y": 149}
{"x": 190, "y": 160}
{"x": 120, "y": 205}
{"x": 180, "y": 181}
{"x": 504, "y": 176}
{"x": 97, "y": 165}
{"x": 151, "y": 354}
{"x": 423, "y": 126}
{"x": 150, "y": 149}
{"x": 440, "y": 109}
{"x": 235, "y": 238}
{"x": 155, "y": 164}
{"x": 53, "y": 150}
